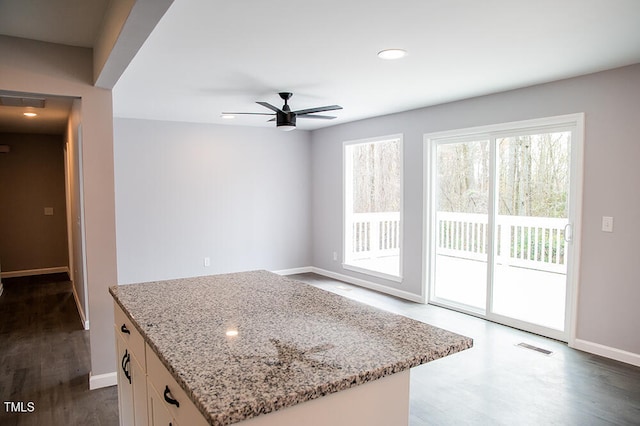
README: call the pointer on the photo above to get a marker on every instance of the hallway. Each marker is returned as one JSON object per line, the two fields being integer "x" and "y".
{"x": 44, "y": 357}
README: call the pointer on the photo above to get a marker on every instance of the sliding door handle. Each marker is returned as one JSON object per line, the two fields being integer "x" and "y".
{"x": 568, "y": 233}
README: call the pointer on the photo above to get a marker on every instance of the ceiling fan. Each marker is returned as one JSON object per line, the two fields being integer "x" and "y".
{"x": 285, "y": 118}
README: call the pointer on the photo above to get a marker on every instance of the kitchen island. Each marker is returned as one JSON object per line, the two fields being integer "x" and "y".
{"x": 256, "y": 348}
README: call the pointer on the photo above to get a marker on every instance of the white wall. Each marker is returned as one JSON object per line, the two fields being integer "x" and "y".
{"x": 187, "y": 191}
{"x": 609, "y": 289}
{"x": 36, "y": 67}
{"x": 75, "y": 214}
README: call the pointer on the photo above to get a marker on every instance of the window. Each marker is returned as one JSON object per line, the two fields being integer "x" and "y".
{"x": 373, "y": 206}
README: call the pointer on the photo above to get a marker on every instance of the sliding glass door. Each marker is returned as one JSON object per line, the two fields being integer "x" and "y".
{"x": 502, "y": 202}
{"x": 461, "y": 218}
{"x": 530, "y": 268}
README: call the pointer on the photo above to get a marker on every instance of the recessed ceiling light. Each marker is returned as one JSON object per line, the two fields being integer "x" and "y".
{"x": 29, "y": 114}
{"x": 392, "y": 54}
{"x": 228, "y": 116}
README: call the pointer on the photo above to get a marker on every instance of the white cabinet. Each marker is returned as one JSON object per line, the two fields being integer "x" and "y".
{"x": 125, "y": 387}
{"x": 131, "y": 367}
{"x": 147, "y": 393}
{"x": 158, "y": 413}
{"x": 165, "y": 391}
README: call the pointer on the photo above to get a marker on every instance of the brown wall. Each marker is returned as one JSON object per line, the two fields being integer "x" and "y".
{"x": 32, "y": 178}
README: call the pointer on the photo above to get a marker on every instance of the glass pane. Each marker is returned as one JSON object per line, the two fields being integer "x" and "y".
{"x": 530, "y": 268}
{"x": 373, "y": 206}
{"x": 463, "y": 180}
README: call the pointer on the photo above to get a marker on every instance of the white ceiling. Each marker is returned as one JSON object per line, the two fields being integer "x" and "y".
{"x": 69, "y": 22}
{"x": 205, "y": 57}
{"x": 209, "y": 56}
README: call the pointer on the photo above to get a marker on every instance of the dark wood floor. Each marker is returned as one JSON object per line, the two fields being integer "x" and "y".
{"x": 499, "y": 383}
{"x": 44, "y": 355}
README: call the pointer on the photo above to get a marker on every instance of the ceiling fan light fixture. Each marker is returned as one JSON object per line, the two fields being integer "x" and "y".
{"x": 29, "y": 114}
{"x": 390, "y": 54}
{"x": 285, "y": 118}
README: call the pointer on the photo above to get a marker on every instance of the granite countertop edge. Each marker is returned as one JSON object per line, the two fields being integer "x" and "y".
{"x": 307, "y": 393}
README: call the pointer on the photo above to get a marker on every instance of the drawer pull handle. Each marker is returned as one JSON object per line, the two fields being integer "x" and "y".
{"x": 125, "y": 364}
{"x": 167, "y": 398}
{"x": 124, "y": 329}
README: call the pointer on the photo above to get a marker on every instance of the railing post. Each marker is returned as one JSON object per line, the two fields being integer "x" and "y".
{"x": 374, "y": 237}
{"x": 506, "y": 238}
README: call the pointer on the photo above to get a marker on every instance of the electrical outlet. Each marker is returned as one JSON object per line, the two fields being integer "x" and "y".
{"x": 207, "y": 262}
{"x": 335, "y": 256}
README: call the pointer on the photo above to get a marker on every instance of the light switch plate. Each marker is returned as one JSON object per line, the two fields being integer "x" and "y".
{"x": 607, "y": 224}
{"x": 48, "y": 211}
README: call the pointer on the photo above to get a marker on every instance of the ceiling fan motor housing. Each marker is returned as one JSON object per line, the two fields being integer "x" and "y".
{"x": 285, "y": 118}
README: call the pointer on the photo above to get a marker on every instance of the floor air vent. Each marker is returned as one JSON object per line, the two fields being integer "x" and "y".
{"x": 535, "y": 348}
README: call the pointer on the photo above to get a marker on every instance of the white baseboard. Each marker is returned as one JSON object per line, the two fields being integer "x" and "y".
{"x": 102, "y": 380}
{"x": 356, "y": 281}
{"x": 83, "y": 318}
{"x": 368, "y": 284}
{"x": 31, "y": 272}
{"x": 607, "y": 351}
{"x": 303, "y": 270}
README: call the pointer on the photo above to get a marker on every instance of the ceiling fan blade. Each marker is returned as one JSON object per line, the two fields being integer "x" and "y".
{"x": 322, "y": 117}
{"x": 268, "y": 105}
{"x": 317, "y": 109}
{"x": 247, "y": 113}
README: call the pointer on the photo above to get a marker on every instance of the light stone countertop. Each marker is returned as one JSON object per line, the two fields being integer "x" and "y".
{"x": 294, "y": 342}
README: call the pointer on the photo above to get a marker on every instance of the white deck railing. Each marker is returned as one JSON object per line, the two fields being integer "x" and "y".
{"x": 529, "y": 242}
{"x": 526, "y": 241}
{"x": 375, "y": 235}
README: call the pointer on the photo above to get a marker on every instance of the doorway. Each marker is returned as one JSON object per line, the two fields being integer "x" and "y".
{"x": 44, "y": 132}
{"x": 503, "y": 210}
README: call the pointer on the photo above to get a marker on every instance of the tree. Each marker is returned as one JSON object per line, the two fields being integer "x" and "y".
{"x": 532, "y": 175}
{"x": 376, "y": 177}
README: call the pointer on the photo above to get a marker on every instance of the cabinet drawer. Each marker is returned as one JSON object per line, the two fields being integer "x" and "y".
{"x": 130, "y": 334}
{"x": 165, "y": 384}
{"x": 158, "y": 413}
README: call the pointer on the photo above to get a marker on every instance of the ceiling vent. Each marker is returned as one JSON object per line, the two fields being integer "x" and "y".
{"x": 18, "y": 101}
